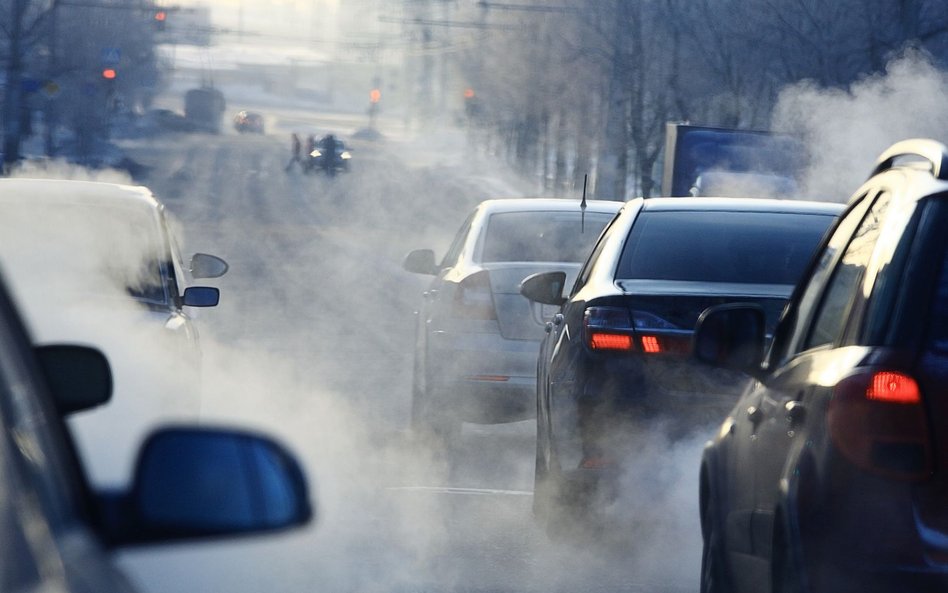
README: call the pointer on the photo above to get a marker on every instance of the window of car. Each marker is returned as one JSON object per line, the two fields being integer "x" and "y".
{"x": 721, "y": 246}
{"x": 541, "y": 236}
{"x": 796, "y": 318}
{"x": 454, "y": 252}
{"x": 833, "y": 312}
{"x": 593, "y": 257}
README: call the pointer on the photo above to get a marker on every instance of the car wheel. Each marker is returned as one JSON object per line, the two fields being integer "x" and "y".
{"x": 427, "y": 419}
{"x": 713, "y": 575}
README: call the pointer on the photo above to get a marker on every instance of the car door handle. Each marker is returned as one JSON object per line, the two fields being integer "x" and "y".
{"x": 796, "y": 412}
{"x": 755, "y": 415}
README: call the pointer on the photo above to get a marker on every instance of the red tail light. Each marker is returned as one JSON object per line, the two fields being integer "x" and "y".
{"x": 894, "y": 387}
{"x": 608, "y": 328}
{"x": 651, "y": 345}
{"x": 878, "y": 421}
{"x": 604, "y": 341}
{"x": 474, "y": 299}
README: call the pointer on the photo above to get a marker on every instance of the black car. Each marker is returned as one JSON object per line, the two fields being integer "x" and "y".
{"x": 616, "y": 356}
{"x": 831, "y": 472}
{"x": 190, "y": 483}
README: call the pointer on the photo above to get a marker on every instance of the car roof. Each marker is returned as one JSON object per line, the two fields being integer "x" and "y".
{"x": 546, "y": 204}
{"x": 742, "y": 205}
{"x": 56, "y": 191}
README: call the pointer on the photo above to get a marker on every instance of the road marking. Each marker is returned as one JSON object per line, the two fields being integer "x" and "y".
{"x": 450, "y": 490}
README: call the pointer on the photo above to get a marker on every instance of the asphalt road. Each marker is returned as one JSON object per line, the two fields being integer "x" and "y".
{"x": 312, "y": 341}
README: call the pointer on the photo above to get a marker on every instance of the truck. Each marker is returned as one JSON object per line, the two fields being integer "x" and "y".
{"x": 204, "y": 109}
{"x": 705, "y": 161}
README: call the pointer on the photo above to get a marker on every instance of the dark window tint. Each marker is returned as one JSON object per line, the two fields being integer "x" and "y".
{"x": 846, "y": 280}
{"x": 542, "y": 236}
{"x": 741, "y": 247}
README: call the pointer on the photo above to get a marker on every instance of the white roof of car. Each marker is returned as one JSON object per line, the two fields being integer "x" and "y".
{"x": 58, "y": 190}
{"x": 546, "y": 204}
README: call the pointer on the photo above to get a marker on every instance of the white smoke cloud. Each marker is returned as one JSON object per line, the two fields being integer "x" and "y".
{"x": 847, "y": 129}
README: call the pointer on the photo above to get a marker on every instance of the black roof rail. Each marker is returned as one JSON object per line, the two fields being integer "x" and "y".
{"x": 932, "y": 151}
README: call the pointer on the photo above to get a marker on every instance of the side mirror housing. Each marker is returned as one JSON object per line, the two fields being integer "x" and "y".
{"x": 201, "y": 296}
{"x": 545, "y": 287}
{"x": 78, "y": 377}
{"x": 731, "y": 337}
{"x": 193, "y": 483}
{"x": 421, "y": 261}
{"x": 204, "y": 265}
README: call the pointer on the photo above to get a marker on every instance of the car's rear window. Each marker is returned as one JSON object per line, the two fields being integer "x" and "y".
{"x": 739, "y": 247}
{"x": 542, "y": 236}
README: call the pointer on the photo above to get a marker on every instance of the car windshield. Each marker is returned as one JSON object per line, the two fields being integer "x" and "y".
{"x": 715, "y": 246}
{"x": 541, "y": 236}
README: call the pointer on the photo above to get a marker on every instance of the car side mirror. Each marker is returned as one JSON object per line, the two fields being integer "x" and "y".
{"x": 204, "y": 265}
{"x": 732, "y": 337}
{"x": 201, "y": 296}
{"x": 78, "y": 377}
{"x": 545, "y": 287}
{"x": 198, "y": 482}
{"x": 421, "y": 261}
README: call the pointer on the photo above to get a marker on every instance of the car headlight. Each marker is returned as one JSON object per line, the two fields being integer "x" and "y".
{"x": 345, "y": 155}
{"x": 315, "y": 153}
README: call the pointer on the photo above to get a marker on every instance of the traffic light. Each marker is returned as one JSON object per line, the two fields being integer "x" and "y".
{"x": 375, "y": 95}
{"x": 161, "y": 18}
{"x": 109, "y": 73}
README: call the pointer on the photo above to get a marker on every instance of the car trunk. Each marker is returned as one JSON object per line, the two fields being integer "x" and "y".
{"x": 519, "y": 318}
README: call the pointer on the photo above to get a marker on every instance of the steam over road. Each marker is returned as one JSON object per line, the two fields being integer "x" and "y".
{"x": 313, "y": 341}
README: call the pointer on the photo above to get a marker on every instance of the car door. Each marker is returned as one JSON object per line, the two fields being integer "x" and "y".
{"x": 47, "y": 543}
{"x": 819, "y": 351}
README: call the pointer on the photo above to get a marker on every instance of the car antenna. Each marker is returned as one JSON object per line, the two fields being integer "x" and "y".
{"x": 582, "y": 206}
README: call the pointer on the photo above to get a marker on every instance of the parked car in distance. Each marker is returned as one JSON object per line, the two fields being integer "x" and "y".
{"x": 616, "y": 358}
{"x": 830, "y": 473}
{"x": 476, "y": 336}
{"x": 98, "y": 263}
{"x": 59, "y": 535}
{"x": 248, "y": 122}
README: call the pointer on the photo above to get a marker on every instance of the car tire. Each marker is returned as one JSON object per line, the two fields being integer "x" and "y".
{"x": 427, "y": 420}
{"x": 713, "y": 570}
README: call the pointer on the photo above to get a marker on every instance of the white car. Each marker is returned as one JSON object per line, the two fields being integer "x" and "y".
{"x": 477, "y": 337}
{"x": 98, "y": 263}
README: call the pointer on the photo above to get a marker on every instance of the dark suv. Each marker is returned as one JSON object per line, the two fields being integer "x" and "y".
{"x": 831, "y": 473}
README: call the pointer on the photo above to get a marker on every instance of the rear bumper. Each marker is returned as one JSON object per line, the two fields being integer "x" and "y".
{"x": 483, "y": 378}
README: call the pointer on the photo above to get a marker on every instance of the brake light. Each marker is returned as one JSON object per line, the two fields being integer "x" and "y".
{"x": 651, "y": 345}
{"x": 473, "y": 298}
{"x": 608, "y": 328}
{"x": 878, "y": 421}
{"x": 894, "y": 387}
{"x": 604, "y": 341}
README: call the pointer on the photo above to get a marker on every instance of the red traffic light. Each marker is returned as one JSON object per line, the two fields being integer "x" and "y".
{"x": 161, "y": 15}
{"x": 375, "y": 95}
{"x": 109, "y": 74}
{"x": 468, "y": 93}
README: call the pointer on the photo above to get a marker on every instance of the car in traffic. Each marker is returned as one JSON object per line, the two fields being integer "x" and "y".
{"x": 615, "y": 360}
{"x": 60, "y": 535}
{"x": 99, "y": 263}
{"x": 831, "y": 471}
{"x": 476, "y": 337}
{"x": 248, "y": 122}
{"x": 329, "y": 155}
